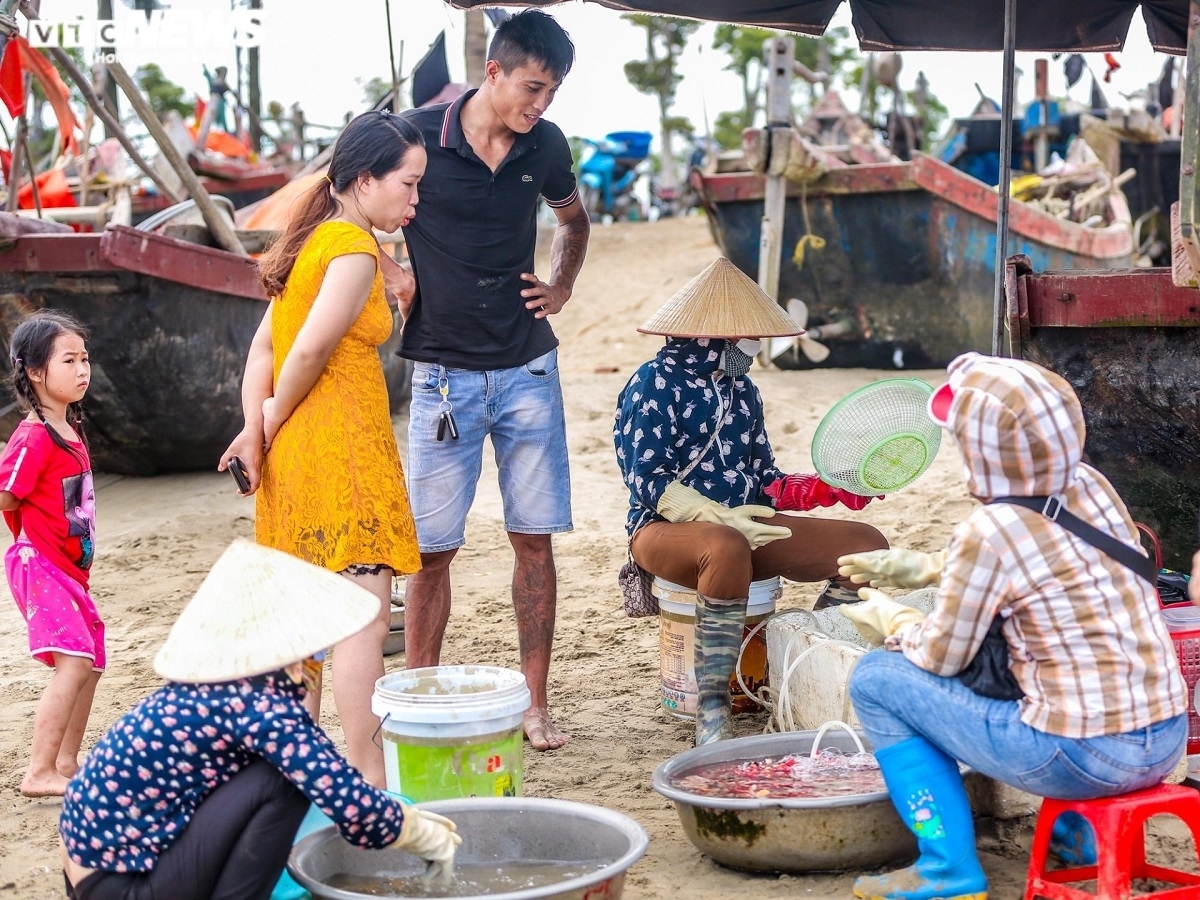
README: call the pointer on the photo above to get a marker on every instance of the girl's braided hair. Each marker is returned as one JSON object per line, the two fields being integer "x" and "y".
{"x": 29, "y": 349}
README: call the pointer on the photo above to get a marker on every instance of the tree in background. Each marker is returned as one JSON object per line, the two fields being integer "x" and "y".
{"x": 744, "y": 46}
{"x": 931, "y": 112}
{"x": 878, "y": 101}
{"x": 658, "y": 76}
{"x": 475, "y": 45}
{"x": 828, "y": 53}
{"x": 161, "y": 93}
{"x": 374, "y": 89}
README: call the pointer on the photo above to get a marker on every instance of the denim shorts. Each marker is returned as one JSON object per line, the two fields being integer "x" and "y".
{"x": 896, "y": 700}
{"x": 522, "y": 410}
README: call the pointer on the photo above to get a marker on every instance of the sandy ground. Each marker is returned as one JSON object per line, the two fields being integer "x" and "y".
{"x": 158, "y": 536}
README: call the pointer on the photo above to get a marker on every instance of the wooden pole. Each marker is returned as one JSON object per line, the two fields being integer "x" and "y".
{"x": 18, "y": 150}
{"x": 387, "y": 12}
{"x": 220, "y": 227}
{"x": 110, "y": 123}
{"x": 33, "y": 185}
{"x": 254, "y": 92}
{"x": 1004, "y": 189}
{"x": 14, "y": 172}
{"x": 108, "y": 91}
{"x": 1189, "y": 151}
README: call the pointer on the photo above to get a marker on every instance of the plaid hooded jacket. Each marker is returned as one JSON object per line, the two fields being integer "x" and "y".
{"x": 1088, "y": 645}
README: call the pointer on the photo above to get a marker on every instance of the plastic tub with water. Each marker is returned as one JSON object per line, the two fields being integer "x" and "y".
{"x": 452, "y": 731}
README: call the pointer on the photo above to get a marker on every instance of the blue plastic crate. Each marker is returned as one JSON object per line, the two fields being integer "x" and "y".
{"x": 636, "y": 144}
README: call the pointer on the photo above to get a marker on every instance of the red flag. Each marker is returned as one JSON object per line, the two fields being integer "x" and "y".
{"x": 53, "y": 191}
{"x": 12, "y": 85}
{"x": 1113, "y": 65}
{"x": 57, "y": 93}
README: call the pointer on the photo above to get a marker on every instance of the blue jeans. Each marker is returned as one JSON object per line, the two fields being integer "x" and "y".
{"x": 522, "y": 410}
{"x": 896, "y": 700}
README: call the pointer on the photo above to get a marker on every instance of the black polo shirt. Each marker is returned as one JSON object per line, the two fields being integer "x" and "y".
{"x": 472, "y": 237}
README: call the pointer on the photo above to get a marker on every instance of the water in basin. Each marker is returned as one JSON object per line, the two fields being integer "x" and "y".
{"x": 830, "y": 773}
{"x": 470, "y": 879}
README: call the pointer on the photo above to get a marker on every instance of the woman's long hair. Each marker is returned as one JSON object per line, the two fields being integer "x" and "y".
{"x": 374, "y": 143}
{"x": 29, "y": 350}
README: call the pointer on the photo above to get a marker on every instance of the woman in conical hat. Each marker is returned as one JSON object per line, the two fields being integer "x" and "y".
{"x": 704, "y": 502}
{"x": 198, "y": 791}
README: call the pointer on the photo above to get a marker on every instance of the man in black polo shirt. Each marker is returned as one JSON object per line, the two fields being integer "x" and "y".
{"x": 485, "y": 358}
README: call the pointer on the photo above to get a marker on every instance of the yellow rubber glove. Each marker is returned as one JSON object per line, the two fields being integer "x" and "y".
{"x": 680, "y": 503}
{"x": 432, "y": 838}
{"x": 879, "y": 616}
{"x": 893, "y": 568}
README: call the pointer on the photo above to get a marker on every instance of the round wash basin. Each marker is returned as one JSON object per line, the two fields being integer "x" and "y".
{"x": 589, "y": 846}
{"x": 859, "y": 831}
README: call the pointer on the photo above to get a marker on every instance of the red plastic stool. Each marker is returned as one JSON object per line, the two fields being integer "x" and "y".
{"x": 1120, "y": 826}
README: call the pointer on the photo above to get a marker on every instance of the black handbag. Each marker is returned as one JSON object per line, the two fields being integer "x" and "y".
{"x": 988, "y": 674}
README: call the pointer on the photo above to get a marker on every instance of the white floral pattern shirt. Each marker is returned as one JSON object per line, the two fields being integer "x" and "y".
{"x": 665, "y": 418}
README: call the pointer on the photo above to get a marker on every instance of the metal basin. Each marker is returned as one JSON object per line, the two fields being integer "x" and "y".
{"x": 786, "y": 835}
{"x": 493, "y": 829}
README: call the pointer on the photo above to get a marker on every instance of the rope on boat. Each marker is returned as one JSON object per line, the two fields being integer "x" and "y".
{"x": 809, "y": 239}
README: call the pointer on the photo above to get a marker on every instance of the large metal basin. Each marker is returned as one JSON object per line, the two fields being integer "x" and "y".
{"x": 493, "y": 829}
{"x": 802, "y": 835}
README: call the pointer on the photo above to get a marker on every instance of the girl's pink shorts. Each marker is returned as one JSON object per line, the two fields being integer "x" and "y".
{"x": 59, "y": 613}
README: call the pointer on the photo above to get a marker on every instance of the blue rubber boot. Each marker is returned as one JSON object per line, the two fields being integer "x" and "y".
{"x": 1072, "y": 841}
{"x": 928, "y": 793}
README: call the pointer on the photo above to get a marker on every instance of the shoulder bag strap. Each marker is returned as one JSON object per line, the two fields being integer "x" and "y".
{"x": 1052, "y": 508}
{"x": 716, "y": 429}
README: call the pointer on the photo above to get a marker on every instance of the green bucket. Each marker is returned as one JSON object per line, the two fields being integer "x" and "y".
{"x": 453, "y": 731}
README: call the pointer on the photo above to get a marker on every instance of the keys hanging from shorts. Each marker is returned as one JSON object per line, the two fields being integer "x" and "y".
{"x": 446, "y": 417}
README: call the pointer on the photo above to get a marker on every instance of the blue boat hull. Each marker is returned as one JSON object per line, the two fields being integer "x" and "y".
{"x": 913, "y": 269}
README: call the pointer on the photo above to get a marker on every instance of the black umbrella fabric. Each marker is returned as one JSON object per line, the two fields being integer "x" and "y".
{"x": 1059, "y": 25}
{"x": 431, "y": 74}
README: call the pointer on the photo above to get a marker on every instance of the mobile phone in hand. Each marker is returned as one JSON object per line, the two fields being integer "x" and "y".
{"x": 240, "y": 475}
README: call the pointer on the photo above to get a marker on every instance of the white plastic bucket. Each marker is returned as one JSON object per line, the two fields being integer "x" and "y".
{"x": 452, "y": 731}
{"x": 676, "y": 645}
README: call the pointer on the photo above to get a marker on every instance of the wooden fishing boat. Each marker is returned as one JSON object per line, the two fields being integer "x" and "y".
{"x": 171, "y": 323}
{"x": 1128, "y": 342}
{"x": 899, "y": 257}
{"x": 241, "y": 183}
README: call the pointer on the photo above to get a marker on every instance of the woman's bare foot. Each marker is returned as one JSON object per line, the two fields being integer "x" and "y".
{"x": 543, "y": 734}
{"x": 48, "y": 785}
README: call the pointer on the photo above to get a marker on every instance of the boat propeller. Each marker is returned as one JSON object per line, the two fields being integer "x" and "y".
{"x": 813, "y": 349}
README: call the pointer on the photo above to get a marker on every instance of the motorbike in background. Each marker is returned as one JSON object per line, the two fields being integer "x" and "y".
{"x": 681, "y": 200}
{"x": 609, "y": 172}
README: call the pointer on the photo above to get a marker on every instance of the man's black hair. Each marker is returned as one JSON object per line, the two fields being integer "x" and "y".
{"x": 532, "y": 36}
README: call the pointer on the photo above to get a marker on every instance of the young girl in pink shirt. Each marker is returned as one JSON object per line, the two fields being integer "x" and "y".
{"x": 49, "y": 503}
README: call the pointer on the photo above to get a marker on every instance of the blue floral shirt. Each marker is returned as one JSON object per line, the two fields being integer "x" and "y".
{"x": 665, "y": 418}
{"x": 142, "y": 783}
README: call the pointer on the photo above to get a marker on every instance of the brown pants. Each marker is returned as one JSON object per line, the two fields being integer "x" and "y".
{"x": 717, "y": 561}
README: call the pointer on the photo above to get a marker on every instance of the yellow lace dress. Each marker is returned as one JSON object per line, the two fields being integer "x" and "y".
{"x": 332, "y": 488}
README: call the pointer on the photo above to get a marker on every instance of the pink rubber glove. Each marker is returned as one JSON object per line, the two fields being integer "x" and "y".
{"x": 805, "y": 492}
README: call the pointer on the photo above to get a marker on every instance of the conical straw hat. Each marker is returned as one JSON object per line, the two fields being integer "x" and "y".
{"x": 259, "y": 610}
{"x": 721, "y": 302}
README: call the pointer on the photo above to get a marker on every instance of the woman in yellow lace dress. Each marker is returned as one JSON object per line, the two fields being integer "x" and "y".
{"x": 317, "y": 444}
